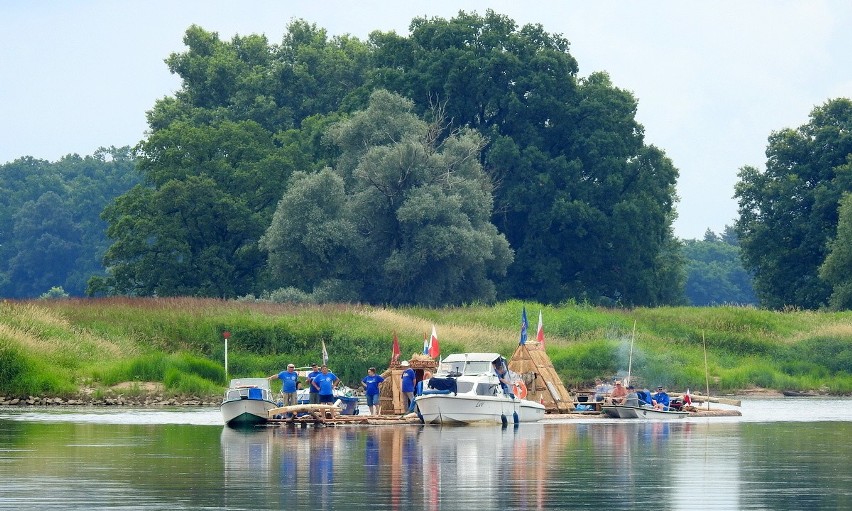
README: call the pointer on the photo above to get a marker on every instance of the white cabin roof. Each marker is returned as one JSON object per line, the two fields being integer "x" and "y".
{"x": 261, "y": 383}
{"x": 471, "y": 357}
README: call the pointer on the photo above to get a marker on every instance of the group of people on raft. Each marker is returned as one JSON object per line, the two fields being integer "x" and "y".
{"x": 621, "y": 395}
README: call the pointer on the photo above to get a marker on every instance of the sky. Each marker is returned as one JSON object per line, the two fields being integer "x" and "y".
{"x": 713, "y": 79}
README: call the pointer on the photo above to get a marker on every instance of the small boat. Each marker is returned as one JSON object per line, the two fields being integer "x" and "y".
{"x": 640, "y": 412}
{"x": 247, "y": 402}
{"x": 466, "y": 390}
{"x": 799, "y": 393}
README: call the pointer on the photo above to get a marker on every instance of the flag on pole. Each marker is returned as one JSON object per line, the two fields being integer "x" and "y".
{"x": 434, "y": 347}
{"x": 395, "y": 349}
{"x": 324, "y": 354}
{"x": 539, "y": 334}
{"x": 524, "y": 327}
{"x": 425, "y": 343}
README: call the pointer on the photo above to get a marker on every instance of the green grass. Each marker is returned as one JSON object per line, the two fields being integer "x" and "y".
{"x": 57, "y": 346}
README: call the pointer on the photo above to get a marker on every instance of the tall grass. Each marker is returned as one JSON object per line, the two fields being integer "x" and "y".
{"x": 179, "y": 342}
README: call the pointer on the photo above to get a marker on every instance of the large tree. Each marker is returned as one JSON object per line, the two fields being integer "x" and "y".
{"x": 404, "y": 218}
{"x": 789, "y": 212}
{"x": 218, "y": 156}
{"x": 835, "y": 268}
{"x": 586, "y": 205}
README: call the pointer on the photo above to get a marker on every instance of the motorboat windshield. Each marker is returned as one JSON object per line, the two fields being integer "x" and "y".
{"x": 467, "y": 364}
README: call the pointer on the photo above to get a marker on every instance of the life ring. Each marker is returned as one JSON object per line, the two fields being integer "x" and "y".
{"x": 519, "y": 388}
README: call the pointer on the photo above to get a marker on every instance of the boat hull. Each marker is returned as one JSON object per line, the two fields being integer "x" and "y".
{"x": 464, "y": 409}
{"x": 641, "y": 412}
{"x": 246, "y": 412}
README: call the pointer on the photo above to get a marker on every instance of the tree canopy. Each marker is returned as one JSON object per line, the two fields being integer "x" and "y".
{"x": 789, "y": 212}
{"x": 403, "y": 219}
{"x": 587, "y": 207}
{"x": 576, "y": 205}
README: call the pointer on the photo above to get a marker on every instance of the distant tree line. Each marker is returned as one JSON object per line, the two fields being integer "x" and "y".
{"x": 51, "y": 233}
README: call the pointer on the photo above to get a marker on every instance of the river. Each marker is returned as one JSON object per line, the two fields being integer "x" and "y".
{"x": 790, "y": 453}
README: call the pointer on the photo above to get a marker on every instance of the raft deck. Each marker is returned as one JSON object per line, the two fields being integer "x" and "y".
{"x": 330, "y": 415}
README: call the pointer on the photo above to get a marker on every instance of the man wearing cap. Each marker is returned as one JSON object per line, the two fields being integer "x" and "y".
{"x": 408, "y": 381}
{"x": 619, "y": 393}
{"x": 313, "y": 392}
{"x": 289, "y": 384}
{"x": 661, "y": 399}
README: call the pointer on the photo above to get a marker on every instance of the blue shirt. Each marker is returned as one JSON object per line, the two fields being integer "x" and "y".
{"x": 662, "y": 399}
{"x": 372, "y": 384}
{"x": 326, "y": 383}
{"x": 408, "y": 378}
{"x": 311, "y": 376}
{"x": 288, "y": 381}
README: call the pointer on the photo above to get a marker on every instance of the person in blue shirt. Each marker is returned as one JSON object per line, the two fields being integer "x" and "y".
{"x": 313, "y": 393}
{"x": 408, "y": 381}
{"x": 325, "y": 383}
{"x": 371, "y": 385}
{"x": 289, "y": 384}
{"x": 661, "y": 399}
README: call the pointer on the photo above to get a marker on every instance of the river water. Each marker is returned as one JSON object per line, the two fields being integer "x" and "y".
{"x": 791, "y": 453}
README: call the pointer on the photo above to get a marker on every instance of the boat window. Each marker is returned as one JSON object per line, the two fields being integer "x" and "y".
{"x": 485, "y": 389}
{"x": 477, "y": 367}
{"x": 452, "y": 367}
{"x": 464, "y": 387}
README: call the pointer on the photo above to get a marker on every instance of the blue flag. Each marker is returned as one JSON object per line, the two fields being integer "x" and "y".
{"x": 524, "y": 327}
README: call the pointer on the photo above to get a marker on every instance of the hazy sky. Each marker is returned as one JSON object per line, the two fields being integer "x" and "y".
{"x": 713, "y": 79}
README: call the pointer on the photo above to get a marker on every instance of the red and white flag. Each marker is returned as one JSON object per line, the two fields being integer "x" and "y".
{"x": 539, "y": 335}
{"x": 434, "y": 348}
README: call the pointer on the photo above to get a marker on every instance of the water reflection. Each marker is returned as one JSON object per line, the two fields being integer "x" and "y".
{"x": 688, "y": 464}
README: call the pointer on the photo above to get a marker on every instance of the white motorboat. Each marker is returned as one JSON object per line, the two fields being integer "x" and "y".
{"x": 466, "y": 390}
{"x": 247, "y": 402}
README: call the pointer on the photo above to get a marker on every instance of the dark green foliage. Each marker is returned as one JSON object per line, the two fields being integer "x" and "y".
{"x": 789, "y": 212}
{"x": 835, "y": 268}
{"x": 586, "y": 206}
{"x": 401, "y": 220}
{"x": 714, "y": 272}
{"x": 51, "y": 233}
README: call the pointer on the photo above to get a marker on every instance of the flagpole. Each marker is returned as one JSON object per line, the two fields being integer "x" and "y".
{"x": 630, "y": 360}
{"x": 706, "y": 372}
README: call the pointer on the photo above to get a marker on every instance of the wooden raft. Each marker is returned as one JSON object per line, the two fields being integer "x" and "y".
{"x": 329, "y": 415}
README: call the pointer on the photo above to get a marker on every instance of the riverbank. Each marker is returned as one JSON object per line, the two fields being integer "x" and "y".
{"x": 53, "y": 348}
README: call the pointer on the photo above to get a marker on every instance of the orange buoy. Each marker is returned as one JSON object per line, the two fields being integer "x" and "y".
{"x": 519, "y": 388}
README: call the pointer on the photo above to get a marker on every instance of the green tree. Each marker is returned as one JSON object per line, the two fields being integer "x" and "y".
{"x": 218, "y": 156}
{"x": 789, "y": 212}
{"x": 835, "y": 268}
{"x": 587, "y": 207}
{"x": 404, "y": 218}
